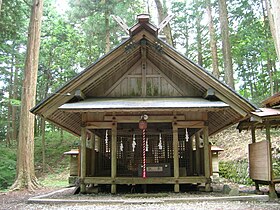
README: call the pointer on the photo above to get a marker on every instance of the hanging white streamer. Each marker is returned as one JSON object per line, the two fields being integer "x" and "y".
{"x": 187, "y": 135}
{"x": 160, "y": 143}
{"x": 106, "y": 141}
{"x": 133, "y": 143}
{"x": 121, "y": 146}
{"x": 147, "y": 145}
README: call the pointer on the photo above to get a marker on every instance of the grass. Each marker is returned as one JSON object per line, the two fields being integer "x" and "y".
{"x": 59, "y": 179}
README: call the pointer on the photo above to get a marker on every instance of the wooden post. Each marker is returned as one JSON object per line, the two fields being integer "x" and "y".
{"x": 189, "y": 144}
{"x": 206, "y": 159}
{"x": 92, "y": 141}
{"x": 83, "y": 159}
{"x": 176, "y": 157}
{"x": 272, "y": 191}
{"x": 197, "y": 153}
{"x": 114, "y": 158}
{"x": 253, "y": 134}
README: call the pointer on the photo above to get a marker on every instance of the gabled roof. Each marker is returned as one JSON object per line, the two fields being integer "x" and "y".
{"x": 264, "y": 116}
{"x": 272, "y": 101}
{"x": 183, "y": 77}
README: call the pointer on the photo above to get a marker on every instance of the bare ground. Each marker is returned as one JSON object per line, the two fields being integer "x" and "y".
{"x": 18, "y": 200}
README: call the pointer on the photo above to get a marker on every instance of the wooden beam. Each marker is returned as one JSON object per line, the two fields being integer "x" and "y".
{"x": 136, "y": 118}
{"x": 144, "y": 66}
{"x": 149, "y": 180}
{"x": 121, "y": 23}
{"x": 80, "y": 95}
{"x": 231, "y": 104}
{"x": 83, "y": 159}
{"x": 114, "y": 158}
{"x": 190, "y": 124}
{"x": 99, "y": 125}
{"x": 128, "y": 110}
{"x": 165, "y": 22}
{"x": 210, "y": 94}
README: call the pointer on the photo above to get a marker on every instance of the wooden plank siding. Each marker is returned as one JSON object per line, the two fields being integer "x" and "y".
{"x": 259, "y": 161}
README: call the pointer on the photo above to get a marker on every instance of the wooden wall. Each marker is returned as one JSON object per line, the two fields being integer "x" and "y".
{"x": 259, "y": 161}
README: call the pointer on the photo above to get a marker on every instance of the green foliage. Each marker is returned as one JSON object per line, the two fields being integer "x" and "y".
{"x": 57, "y": 163}
{"x": 55, "y": 147}
{"x": 235, "y": 171}
{"x": 7, "y": 166}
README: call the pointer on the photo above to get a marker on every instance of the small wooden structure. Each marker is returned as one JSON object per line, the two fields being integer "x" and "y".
{"x": 260, "y": 153}
{"x": 74, "y": 165}
{"x": 144, "y": 113}
{"x": 215, "y": 160}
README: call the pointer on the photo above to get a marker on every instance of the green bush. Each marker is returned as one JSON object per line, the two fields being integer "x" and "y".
{"x": 236, "y": 171}
{"x": 7, "y": 166}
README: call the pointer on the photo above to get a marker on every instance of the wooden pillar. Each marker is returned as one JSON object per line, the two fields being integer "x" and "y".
{"x": 176, "y": 157}
{"x": 114, "y": 158}
{"x": 272, "y": 191}
{"x": 83, "y": 159}
{"x": 190, "y": 148}
{"x": 197, "y": 153}
{"x": 92, "y": 141}
{"x": 253, "y": 134}
{"x": 206, "y": 159}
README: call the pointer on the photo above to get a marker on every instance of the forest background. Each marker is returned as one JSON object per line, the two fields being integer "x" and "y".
{"x": 77, "y": 33}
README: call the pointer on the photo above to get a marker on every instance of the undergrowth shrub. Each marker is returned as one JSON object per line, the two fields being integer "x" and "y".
{"x": 7, "y": 166}
{"x": 236, "y": 171}
{"x": 55, "y": 160}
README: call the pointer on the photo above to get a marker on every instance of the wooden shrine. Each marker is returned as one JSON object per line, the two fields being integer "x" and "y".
{"x": 260, "y": 152}
{"x": 144, "y": 113}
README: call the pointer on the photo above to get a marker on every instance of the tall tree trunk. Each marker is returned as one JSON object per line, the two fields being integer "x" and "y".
{"x": 270, "y": 73}
{"x": 223, "y": 14}
{"x": 276, "y": 80}
{"x": 273, "y": 10}
{"x": 14, "y": 108}
{"x": 199, "y": 40}
{"x": 267, "y": 25}
{"x": 161, "y": 16}
{"x": 107, "y": 28}
{"x": 213, "y": 42}
{"x": 25, "y": 159}
{"x": 9, "y": 133}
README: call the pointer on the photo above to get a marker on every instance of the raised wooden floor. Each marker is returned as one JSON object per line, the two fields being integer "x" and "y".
{"x": 139, "y": 180}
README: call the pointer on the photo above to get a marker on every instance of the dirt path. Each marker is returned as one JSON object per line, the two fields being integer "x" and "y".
{"x": 17, "y": 199}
